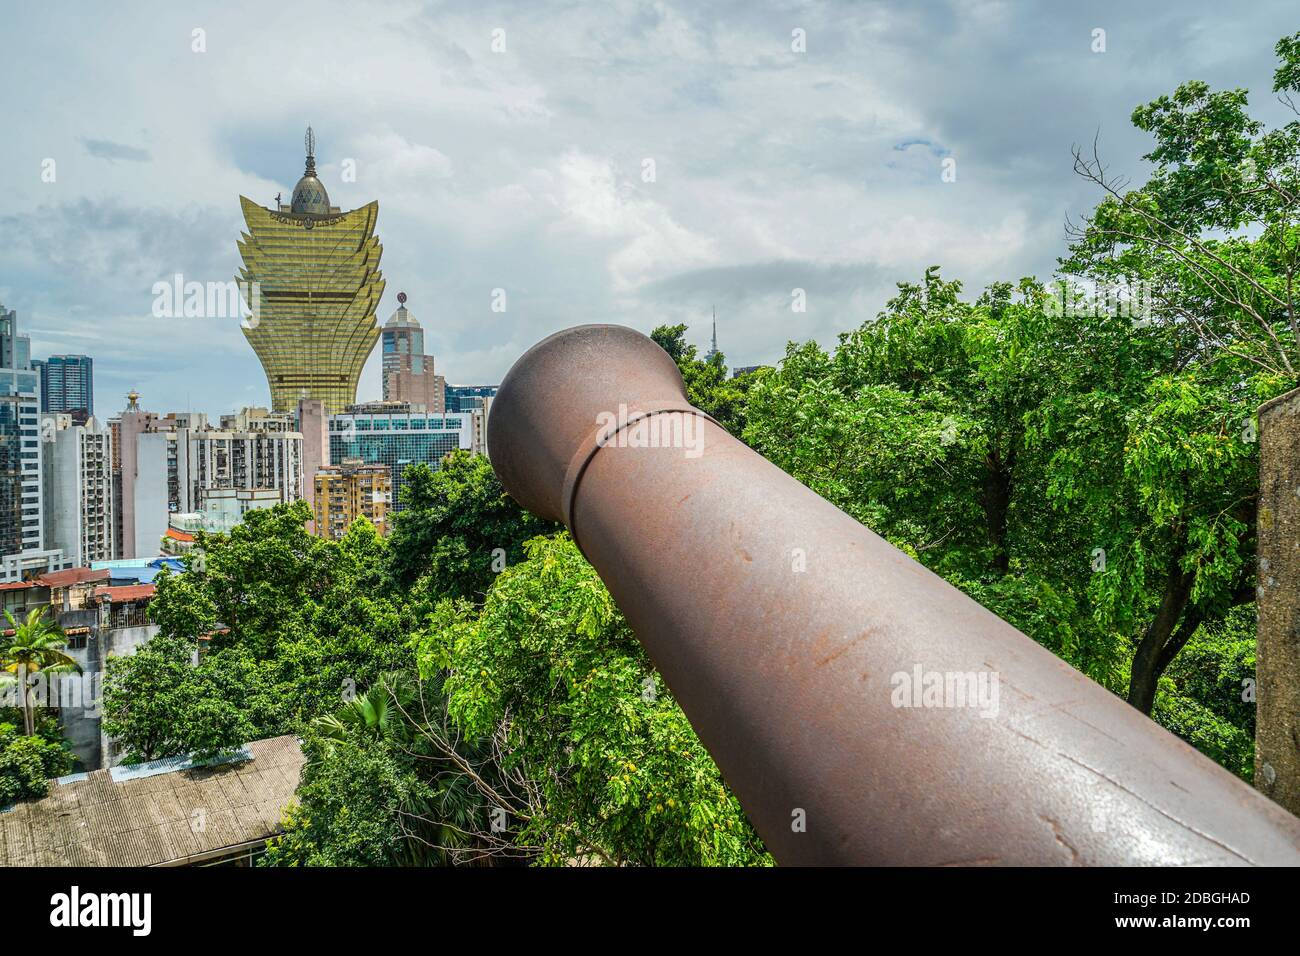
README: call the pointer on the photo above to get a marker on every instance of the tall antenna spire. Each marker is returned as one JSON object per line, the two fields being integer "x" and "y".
{"x": 309, "y": 141}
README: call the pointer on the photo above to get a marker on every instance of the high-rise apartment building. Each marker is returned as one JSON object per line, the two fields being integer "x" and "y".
{"x": 479, "y": 422}
{"x": 348, "y": 491}
{"x": 78, "y": 488}
{"x": 408, "y": 372}
{"x": 126, "y": 431}
{"x": 154, "y": 493}
{"x": 314, "y": 424}
{"x": 67, "y": 385}
{"x": 311, "y": 273}
{"x": 178, "y": 464}
{"x": 20, "y": 468}
{"x": 211, "y": 460}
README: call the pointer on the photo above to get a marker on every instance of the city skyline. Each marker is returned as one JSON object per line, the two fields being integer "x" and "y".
{"x": 772, "y": 169}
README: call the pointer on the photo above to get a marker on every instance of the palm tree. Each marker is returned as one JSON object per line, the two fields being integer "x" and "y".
{"x": 442, "y": 812}
{"x": 35, "y": 645}
{"x": 377, "y": 713}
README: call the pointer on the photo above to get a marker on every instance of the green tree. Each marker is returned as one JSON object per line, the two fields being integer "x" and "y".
{"x": 606, "y": 763}
{"x": 157, "y": 703}
{"x": 1161, "y": 463}
{"x": 707, "y": 385}
{"x": 384, "y": 785}
{"x": 28, "y": 761}
{"x": 1209, "y": 247}
{"x": 1207, "y": 694}
{"x": 457, "y": 529}
{"x": 35, "y": 645}
{"x": 271, "y": 629}
{"x": 253, "y": 580}
{"x": 352, "y": 805}
{"x": 378, "y": 713}
{"x": 1212, "y": 238}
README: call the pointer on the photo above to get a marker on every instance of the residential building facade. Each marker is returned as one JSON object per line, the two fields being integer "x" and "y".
{"x": 395, "y": 435}
{"x": 78, "y": 488}
{"x": 99, "y": 618}
{"x": 179, "y": 465}
{"x": 348, "y": 491}
{"x": 314, "y": 425}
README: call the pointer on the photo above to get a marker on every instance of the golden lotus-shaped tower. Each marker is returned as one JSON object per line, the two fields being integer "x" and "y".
{"x": 317, "y": 289}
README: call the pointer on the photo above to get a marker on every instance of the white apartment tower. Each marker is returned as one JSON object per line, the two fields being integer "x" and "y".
{"x": 78, "y": 488}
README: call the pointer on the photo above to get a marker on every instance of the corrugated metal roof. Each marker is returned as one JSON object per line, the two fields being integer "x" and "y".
{"x": 58, "y": 579}
{"x": 138, "y": 771}
{"x": 155, "y": 814}
{"x": 126, "y": 592}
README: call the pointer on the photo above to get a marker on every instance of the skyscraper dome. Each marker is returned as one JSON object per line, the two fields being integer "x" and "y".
{"x": 401, "y": 319}
{"x": 309, "y": 196}
{"x": 408, "y": 374}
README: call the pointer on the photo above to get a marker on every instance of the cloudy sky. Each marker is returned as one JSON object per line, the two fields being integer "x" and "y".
{"x": 527, "y": 168}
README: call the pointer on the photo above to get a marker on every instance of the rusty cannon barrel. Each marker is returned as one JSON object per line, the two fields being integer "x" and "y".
{"x": 862, "y": 709}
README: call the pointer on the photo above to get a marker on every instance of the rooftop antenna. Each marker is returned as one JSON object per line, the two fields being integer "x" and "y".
{"x": 309, "y": 141}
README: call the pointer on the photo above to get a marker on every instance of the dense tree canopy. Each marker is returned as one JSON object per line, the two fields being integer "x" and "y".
{"x": 384, "y": 786}
{"x": 603, "y": 762}
{"x": 28, "y": 761}
{"x": 707, "y": 385}
{"x": 284, "y": 626}
{"x": 458, "y": 528}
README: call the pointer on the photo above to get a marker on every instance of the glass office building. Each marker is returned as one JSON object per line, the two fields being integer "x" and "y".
{"x": 318, "y": 287}
{"x": 397, "y": 439}
{"x": 67, "y": 384}
{"x": 20, "y": 475}
{"x": 464, "y": 398}
{"x": 22, "y": 528}
{"x": 408, "y": 372}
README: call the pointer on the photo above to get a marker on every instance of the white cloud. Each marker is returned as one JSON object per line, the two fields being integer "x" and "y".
{"x": 648, "y": 243}
{"x": 522, "y": 169}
